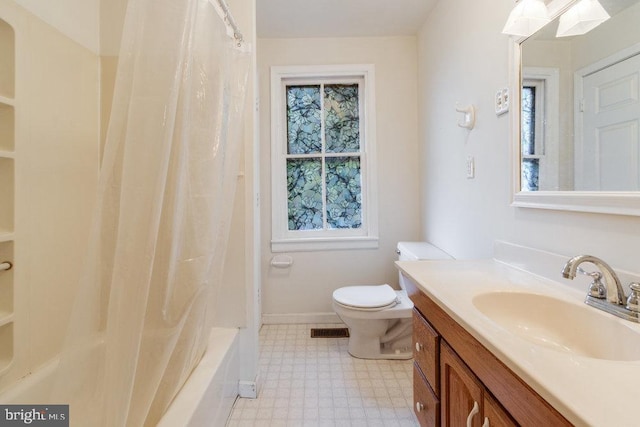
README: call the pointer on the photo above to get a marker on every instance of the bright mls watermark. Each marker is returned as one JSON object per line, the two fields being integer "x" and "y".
{"x": 34, "y": 415}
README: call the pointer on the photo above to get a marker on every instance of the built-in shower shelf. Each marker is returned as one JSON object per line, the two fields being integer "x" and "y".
{"x": 6, "y": 236}
{"x": 5, "y": 318}
{"x": 7, "y": 154}
{"x": 7, "y": 128}
{"x": 5, "y": 100}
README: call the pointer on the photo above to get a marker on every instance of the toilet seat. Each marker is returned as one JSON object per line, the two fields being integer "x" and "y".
{"x": 366, "y": 298}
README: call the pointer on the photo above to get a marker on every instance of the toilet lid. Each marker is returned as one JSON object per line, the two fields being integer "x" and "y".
{"x": 379, "y": 296}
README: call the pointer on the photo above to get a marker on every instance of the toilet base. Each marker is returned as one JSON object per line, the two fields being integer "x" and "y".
{"x": 386, "y": 355}
{"x": 394, "y": 344}
{"x": 381, "y": 334}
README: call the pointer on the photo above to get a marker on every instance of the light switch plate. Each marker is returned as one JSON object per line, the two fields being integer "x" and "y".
{"x": 471, "y": 167}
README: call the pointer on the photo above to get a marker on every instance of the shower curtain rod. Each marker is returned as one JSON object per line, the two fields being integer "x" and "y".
{"x": 227, "y": 17}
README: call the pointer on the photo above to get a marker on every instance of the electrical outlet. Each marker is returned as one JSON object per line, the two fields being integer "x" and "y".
{"x": 502, "y": 101}
{"x": 471, "y": 167}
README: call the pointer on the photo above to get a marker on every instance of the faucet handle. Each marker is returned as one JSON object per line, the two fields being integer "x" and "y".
{"x": 596, "y": 288}
{"x": 633, "y": 300}
{"x": 596, "y": 275}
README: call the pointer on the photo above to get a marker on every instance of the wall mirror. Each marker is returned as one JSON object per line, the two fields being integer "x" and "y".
{"x": 577, "y": 135}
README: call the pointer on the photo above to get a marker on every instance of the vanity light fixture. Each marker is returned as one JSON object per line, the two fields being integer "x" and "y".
{"x": 583, "y": 17}
{"x": 527, "y": 17}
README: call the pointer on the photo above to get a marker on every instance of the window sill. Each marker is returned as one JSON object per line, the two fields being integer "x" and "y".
{"x": 323, "y": 244}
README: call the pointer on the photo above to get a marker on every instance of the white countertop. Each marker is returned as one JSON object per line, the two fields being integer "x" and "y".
{"x": 587, "y": 391}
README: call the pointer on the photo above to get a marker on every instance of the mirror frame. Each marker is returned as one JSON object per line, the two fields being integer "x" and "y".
{"x": 604, "y": 202}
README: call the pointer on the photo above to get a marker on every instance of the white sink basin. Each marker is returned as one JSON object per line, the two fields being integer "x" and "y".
{"x": 561, "y": 325}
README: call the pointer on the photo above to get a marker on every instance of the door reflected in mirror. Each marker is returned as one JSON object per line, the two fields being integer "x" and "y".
{"x": 580, "y": 106}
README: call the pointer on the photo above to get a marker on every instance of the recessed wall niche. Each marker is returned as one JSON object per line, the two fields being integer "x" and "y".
{"x": 7, "y": 192}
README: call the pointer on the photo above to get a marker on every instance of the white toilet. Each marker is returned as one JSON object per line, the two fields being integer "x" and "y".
{"x": 379, "y": 317}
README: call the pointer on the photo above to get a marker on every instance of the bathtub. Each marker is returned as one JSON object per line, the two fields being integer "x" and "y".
{"x": 206, "y": 399}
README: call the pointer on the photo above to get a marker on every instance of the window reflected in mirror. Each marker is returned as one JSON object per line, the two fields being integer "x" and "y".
{"x": 530, "y": 156}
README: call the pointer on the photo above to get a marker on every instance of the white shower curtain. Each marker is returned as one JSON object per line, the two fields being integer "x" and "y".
{"x": 154, "y": 262}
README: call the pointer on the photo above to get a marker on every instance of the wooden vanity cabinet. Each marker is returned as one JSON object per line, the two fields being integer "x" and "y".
{"x": 453, "y": 372}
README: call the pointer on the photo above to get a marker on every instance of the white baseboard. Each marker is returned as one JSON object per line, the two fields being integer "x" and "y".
{"x": 299, "y": 318}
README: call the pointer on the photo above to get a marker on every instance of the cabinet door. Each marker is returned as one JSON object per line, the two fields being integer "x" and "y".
{"x": 461, "y": 393}
{"x": 495, "y": 415}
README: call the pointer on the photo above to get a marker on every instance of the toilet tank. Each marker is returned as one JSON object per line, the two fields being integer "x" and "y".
{"x": 414, "y": 251}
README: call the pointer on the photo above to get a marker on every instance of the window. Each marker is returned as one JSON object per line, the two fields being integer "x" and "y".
{"x": 323, "y": 158}
{"x": 540, "y": 147}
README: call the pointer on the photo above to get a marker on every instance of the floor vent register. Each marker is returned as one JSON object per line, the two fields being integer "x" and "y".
{"x": 329, "y": 333}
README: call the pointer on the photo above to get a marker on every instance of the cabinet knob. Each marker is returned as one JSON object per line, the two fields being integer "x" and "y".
{"x": 419, "y": 407}
{"x": 418, "y": 346}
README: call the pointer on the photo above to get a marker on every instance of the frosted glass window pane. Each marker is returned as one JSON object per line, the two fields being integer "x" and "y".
{"x": 304, "y": 187}
{"x": 344, "y": 195}
{"x": 342, "y": 122}
{"x": 303, "y": 119}
{"x": 530, "y": 173}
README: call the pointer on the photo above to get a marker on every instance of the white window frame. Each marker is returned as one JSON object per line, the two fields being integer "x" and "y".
{"x": 365, "y": 237}
{"x": 547, "y": 149}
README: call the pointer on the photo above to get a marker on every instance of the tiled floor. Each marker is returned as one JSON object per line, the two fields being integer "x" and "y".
{"x": 314, "y": 382}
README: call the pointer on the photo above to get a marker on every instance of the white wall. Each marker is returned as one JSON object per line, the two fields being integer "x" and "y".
{"x": 240, "y": 306}
{"x": 464, "y": 57}
{"x": 306, "y": 287}
{"x": 76, "y": 19}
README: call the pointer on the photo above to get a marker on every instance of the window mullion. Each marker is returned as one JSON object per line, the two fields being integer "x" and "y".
{"x": 364, "y": 169}
{"x": 323, "y": 155}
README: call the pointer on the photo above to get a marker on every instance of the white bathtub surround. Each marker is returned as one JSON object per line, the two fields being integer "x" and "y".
{"x": 154, "y": 264}
{"x": 205, "y": 399}
{"x": 313, "y": 381}
{"x": 566, "y": 379}
{"x": 212, "y": 388}
{"x": 35, "y": 387}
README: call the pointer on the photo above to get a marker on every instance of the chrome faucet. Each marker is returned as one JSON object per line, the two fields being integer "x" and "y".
{"x": 609, "y": 296}
{"x": 613, "y": 288}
